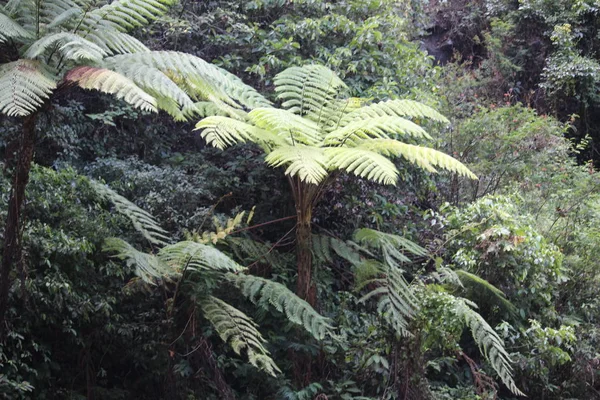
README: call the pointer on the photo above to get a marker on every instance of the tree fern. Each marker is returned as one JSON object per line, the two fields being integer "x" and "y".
{"x": 69, "y": 45}
{"x": 479, "y": 287}
{"x": 267, "y": 293}
{"x": 239, "y": 331}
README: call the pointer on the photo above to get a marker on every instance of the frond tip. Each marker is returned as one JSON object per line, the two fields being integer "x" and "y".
{"x": 237, "y": 329}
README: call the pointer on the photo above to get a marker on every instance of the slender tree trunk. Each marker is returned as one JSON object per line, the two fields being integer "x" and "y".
{"x": 306, "y": 288}
{"x": 12, "y": 229}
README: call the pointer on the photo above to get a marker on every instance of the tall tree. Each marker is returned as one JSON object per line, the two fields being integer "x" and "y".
{"x": 319, "y": 130}
{"x": 51, "y": 45}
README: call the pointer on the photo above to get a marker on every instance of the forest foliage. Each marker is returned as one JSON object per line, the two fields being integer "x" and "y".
{"x": 309, "y": 199}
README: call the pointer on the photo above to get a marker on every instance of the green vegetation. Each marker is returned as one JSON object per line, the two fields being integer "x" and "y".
{"x": 300, "y": 200}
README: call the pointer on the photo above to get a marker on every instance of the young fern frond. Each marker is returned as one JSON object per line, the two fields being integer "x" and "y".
{"x": 142, "y": 221}
{"x": 107, "y": 81}
{"x": 147, "y": 266}
{"x": 197, "y": 256}
{"x": 396, "y": 108}
{"x": 268, "y": 294}
{"x": 490, "y": 344}
{"x": 307, "y": 162}
{"x": 24, "y": 86}
{"x": 239, "y": 331}
{"x": 423, "y": 157}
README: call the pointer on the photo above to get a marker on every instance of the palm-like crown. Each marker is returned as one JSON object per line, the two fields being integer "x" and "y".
{"x": 320, "y": 129}
{"x": 77, "y": 41}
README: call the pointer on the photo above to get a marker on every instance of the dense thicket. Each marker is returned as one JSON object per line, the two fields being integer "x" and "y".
{"x": 176, "y": 279}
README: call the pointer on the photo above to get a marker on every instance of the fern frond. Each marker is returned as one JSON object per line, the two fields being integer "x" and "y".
{"x": 362, "y": 163}
{"x": 253, "y": 251}
{"x": 385, "y": 127}
{"x": 483, "y": 288}
{"x": 197, "y": 256}
{"x": 10, "y": 29}
{"x": 69, "y": 46}
{"x": 111, "y": 82}
{"x": 308, "y": 90}
{"x": 306, "y": 162}
{"x": 114, "y": 42}
{"x": 142, "y": 221}
{"x": 239, "y": 331}
{"x": 423, "y": 157}
{"x": 65, "y": 18}
{"x": 391, "y": 245}
{"x": 147, "y": 266}
{"x": 397, "y": 303}
{"x": 125, "y": 15}
{"x": 322, "y": 247}
{"x": 267, "y": 293}
{"x": 490, "y": 344}
{"x": 287, "y": 125}
{"x": 24, "y": 86}
{"x": 396, "y": 108}
{"x": 223, "y": 132}
{"x": 154, "y": 81}
{"x": 202, "y": 80}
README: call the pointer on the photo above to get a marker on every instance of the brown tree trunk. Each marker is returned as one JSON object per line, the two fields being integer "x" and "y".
{"x": 12, "y": 229}
{"x": 306, "y": 288}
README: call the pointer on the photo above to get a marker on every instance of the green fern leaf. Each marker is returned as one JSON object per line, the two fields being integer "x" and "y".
{"x": 268, "y": 293}
{"x": 237, "y": 329}
{"x": 285, "y": 124}
{"x": 362, "y": 163}
{"x": 385, "y": 127}
{"x": 10, "y": 29}
{"x": 69, "y": 46}
{"x": 223, "y": 132}
{"x": 142, "y": 221}
{"x": 396, "y": 108}
{"x": 308, "y": 163}
{"x": 490, "y": 344}
{"x": 423, "y": 157}
{"x": 24, "y": 86}
{"x": 308, "y": 90}
{"x": 147, "y": 266}
{"x": 197, "y": 256}
{"x": 108, "y": 81}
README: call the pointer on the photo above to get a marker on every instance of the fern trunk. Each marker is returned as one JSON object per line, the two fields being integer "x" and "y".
{"x": 306, "y": 288}
{"x": 12, "y": 229}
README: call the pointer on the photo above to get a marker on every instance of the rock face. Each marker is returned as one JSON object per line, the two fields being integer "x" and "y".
{"x": 439, "y": 45}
